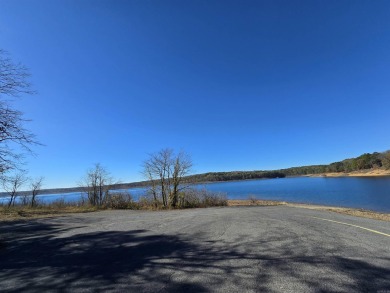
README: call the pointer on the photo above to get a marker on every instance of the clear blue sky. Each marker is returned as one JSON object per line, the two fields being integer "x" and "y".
{"x": 240, "y": 85}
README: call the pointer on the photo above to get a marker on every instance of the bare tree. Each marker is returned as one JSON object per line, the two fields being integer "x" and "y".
{"x": 157, "y": 170}
{"x": 148, "y": 172}
{"x": 12, "y": 185}
{"x": 97, "y": 184}
{"x": 35, "y": 187}
{"x": 181, "y": 166}
{"x": 13, "y": 83}
{"x": 165, "y": 171}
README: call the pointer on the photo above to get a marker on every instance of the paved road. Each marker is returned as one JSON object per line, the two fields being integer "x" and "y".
{"x": 237, "y": 249}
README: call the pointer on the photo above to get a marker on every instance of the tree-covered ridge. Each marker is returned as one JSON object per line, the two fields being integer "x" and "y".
{"x": 363, "y": 162}
{"x": 234, "y": 175}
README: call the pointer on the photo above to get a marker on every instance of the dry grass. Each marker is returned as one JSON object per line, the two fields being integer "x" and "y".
{"x": 254, "y": 202}
{"x": 346, "y": 211}
{"x": 19, "y": 212}
{"x": 363, "y": 214}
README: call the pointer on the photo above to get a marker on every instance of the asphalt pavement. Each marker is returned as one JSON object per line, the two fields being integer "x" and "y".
{"x": 229, "y": 249}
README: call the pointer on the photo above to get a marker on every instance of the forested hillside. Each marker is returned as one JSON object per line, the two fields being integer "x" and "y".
{"x": 363, "y": 162}
{"x": 234, "y": 175}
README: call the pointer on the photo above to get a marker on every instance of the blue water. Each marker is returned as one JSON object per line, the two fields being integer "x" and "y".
{"x": 371, "y": 193}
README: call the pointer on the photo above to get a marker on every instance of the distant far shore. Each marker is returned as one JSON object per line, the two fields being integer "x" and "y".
{"x": 362, "y": 173}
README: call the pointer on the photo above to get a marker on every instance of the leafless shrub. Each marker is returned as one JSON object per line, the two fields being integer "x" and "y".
{"x": 120, "y": 200}
{"x": 197, "y": 198}
{"x": 59, "y": 203}
{"x": 147, "y": 201}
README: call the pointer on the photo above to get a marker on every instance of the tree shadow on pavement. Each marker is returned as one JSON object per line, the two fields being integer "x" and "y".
{"x": 34, "y": 258}
{"x": 43, "y": 256}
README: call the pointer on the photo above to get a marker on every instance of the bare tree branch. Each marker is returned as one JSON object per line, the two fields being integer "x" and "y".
{"x": 13, "y": 77}
{"x": 13, "y": 135}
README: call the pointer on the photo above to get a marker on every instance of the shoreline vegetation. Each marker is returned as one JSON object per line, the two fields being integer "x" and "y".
{"x": 191, "y": 198}
{"x": 62, "y": 208}
{"x": 378, "y": 172}
{"x": 366, "y": 165}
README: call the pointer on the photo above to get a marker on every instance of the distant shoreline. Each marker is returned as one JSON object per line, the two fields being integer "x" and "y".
{"x": 362, "y": 173}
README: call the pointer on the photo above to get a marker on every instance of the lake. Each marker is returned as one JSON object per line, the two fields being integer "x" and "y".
{"x": 372, "y": 193}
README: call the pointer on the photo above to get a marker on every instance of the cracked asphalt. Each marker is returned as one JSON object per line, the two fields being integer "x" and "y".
{"x": 229, "y": 249}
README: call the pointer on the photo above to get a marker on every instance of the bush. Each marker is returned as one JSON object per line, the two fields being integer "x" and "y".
{"x": 190, "y": 198}
{"x": 147, "y": 202}
{"x": 120, "y": 200}
{"x": 59, "y": 203}
{"x": 198, "y": 198}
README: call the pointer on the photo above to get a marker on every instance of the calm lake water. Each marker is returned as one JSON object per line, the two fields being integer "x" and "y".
{"x": 371, "y": 193}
